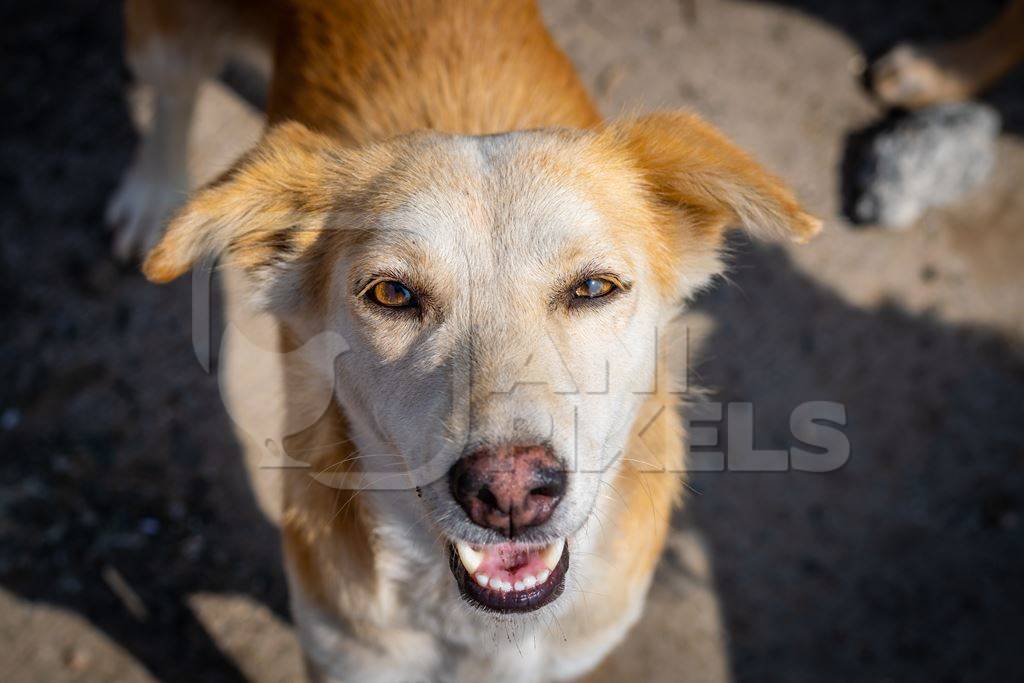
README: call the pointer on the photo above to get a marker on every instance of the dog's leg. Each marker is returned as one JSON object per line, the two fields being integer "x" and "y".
{"x": 918, "y": 76}
{"x": 171, "y": 48}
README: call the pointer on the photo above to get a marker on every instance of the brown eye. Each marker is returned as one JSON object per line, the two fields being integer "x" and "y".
{"x": 594, "y": 288}
{"x": 391, "y": 294}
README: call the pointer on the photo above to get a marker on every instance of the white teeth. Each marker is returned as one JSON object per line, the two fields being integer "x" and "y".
{"x": 552, "y": 554}
{"x": 471, "y": 559}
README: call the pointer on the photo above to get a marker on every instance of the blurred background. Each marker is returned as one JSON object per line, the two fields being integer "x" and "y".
{"x": 133, "y": 549}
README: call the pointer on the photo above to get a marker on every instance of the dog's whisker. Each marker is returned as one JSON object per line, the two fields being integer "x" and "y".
{"x": 652, "y": 466}
{"x": 614, "y": 488}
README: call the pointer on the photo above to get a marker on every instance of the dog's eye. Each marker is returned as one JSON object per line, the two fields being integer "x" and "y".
{"x": 594, "y": 288}
{"x": 391, "y": 294}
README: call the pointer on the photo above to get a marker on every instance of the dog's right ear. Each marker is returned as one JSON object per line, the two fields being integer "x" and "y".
{"x": 263, "y": 212}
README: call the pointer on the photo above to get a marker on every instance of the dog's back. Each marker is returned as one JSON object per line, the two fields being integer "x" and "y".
{"x": 373, "y": 69}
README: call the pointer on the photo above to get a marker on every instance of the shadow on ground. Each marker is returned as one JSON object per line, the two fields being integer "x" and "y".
{"x": 903, "y": 565}
{"x": 122, "y": 491}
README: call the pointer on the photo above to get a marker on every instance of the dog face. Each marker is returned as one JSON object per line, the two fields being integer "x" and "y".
{"x": 501, "y": 299}
{"x": 486, "y": 303}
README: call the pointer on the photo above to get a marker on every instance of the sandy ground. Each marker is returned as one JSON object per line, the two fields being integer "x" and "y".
{"x": 132, "y": 547}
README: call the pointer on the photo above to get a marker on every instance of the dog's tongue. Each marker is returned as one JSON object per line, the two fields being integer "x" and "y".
{"x": 510, "y": 557}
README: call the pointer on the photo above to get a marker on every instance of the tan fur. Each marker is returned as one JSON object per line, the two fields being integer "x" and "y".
{"x": 364, "y": 71}
{"x": 349, "y": 78}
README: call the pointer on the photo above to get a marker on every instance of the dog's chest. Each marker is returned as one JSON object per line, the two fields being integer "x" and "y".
{"x": 424, "y": 641}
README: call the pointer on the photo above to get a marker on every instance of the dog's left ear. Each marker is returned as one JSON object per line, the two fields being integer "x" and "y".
{"x": 708, "y": 182}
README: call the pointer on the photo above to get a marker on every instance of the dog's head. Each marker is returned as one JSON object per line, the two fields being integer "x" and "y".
{"x": 501, "y": 298}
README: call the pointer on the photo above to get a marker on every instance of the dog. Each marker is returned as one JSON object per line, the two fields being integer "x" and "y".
{"x": 487, "y": 490}
{"x": 914, "y": 76}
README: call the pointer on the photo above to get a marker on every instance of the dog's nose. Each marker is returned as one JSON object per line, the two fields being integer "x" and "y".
{"x": 508, "y": 489}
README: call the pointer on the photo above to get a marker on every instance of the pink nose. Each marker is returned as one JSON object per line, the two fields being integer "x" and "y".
{"x": 509, "y": 488}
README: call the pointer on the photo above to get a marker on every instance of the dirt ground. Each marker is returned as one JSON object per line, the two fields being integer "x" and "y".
{"x": 133, "y": 549}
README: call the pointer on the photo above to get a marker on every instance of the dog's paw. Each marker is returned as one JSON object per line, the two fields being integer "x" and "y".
{"x": 139, "y": 209}
{"x": 913, "y": 76}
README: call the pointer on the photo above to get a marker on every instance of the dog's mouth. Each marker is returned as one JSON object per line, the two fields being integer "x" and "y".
{"x": 510, "y": 577}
